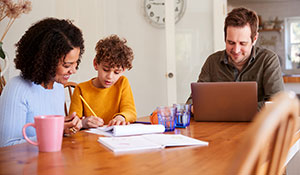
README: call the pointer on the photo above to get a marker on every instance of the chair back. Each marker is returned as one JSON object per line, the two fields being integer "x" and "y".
{"x": 265, "y": 145}
{"x": 69, "y": 88}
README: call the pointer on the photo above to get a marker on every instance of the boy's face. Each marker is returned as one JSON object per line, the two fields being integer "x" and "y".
{"x": 107, "y": 76}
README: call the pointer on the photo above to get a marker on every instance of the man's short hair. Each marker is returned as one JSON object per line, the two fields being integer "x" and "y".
{"x": 240, "y": 17}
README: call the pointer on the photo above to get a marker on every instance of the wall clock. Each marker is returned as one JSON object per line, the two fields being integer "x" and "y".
{"x": 155, "y": 11}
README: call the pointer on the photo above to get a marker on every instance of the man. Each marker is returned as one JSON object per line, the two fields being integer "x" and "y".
{"x": 242, "y": 60}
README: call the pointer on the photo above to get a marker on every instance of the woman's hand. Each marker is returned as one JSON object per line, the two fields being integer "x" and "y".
{"x": 118, "y": 120}
{"x": 92, "y": 122}
{"x": 72, "y": 124}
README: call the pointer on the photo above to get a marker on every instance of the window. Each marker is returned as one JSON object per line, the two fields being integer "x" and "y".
{"x": 292, "y": 45}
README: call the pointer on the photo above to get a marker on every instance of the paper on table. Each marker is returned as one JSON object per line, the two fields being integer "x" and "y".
{"x": 174, "y": 140}
{"x": 125, "y": 130}
{"x": 129, "y": 143}
{"x": 151, "y": 141}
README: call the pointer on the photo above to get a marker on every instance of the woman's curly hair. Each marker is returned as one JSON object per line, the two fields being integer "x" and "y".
{"x": 43, "y": 45}
{"x": 114, "y": 52}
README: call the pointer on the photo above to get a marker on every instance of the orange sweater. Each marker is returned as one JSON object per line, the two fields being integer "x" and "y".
{"x": 105, "y": 102}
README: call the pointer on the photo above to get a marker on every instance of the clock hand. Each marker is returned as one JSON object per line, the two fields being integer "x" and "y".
{"x": 157, "y": 3}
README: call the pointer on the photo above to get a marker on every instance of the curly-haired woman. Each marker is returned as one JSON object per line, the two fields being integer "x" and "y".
{"x": 109, "y": 94}
{"x": 47, "y": 54}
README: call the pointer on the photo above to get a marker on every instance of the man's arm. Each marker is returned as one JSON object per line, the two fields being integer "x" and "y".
{"x": 272, "y": 78}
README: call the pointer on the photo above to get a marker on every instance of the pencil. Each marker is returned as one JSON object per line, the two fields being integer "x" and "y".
{"x": 87, "y": 105}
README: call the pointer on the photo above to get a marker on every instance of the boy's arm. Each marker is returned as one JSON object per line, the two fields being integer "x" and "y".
{"x": 76, "y": 103}
{"x": 127, "y": 106}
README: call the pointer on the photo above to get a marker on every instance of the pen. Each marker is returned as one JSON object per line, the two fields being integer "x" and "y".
{"x": 142, "y": 122}
{"x": 87, "y": 105}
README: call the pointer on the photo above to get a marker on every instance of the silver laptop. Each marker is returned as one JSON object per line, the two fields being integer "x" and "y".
{"x": 224, "y": 101}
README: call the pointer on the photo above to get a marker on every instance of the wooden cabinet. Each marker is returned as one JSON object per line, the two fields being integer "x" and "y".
{"x": 291, "y": 79}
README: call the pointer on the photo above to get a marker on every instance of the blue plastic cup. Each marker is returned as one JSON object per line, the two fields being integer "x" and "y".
{"x": 166, "y": 117}
{"x": 182, "y": 115}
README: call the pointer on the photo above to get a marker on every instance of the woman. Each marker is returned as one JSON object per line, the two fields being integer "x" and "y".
{"x": 47, "y": 54}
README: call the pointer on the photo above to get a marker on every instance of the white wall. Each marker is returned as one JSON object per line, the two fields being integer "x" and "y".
{"x": 100, "y": 18}
{"x": 194, "y": 43}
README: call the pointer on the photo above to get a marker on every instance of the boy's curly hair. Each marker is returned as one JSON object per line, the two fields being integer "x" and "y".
{"x": 114, "y": 52}
{"x": 43, "y": 45}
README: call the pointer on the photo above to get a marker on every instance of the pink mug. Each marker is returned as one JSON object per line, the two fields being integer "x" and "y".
{"x": 49, "y": 132}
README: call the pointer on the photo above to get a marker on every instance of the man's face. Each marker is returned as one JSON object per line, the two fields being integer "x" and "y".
{"x": 239, "y": 44}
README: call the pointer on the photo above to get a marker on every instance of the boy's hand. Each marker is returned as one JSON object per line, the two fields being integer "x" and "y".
{"x": 118, "y": 120}
{"x": 72, "y": 124}
{"x": 92, "y": 122}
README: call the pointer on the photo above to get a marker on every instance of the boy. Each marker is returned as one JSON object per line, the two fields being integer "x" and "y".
{"x": 109, "y": 95}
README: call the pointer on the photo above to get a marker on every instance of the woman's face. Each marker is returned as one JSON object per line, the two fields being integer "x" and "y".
{"x": 67, "y": 66}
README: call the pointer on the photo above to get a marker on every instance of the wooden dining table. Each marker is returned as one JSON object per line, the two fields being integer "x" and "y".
{"x": 83, "y": 154}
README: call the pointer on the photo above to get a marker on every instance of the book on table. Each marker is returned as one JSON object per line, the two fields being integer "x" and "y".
{"x": 148, "y": 141}
{"x": 125, "y": 130}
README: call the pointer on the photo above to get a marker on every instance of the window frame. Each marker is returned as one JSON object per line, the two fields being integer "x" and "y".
{"x": 288, "y": 44}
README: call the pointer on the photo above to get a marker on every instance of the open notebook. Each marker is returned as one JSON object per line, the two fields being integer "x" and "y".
{"x": 149, "y": 141}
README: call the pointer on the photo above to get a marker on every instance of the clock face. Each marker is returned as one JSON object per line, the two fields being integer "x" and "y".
{"x": 155, "y": 11}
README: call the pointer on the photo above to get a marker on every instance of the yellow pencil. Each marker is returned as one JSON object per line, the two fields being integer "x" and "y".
{"x": 87, "y": 105}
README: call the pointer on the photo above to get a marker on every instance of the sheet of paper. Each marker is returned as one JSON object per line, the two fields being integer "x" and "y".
{"x": 174, "y": 140}
{"x": 125, "y": 130}
{"x": 129, "y": 143}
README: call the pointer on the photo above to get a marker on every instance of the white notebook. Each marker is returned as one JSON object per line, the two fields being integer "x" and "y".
{"x": 150, "y": 141}
{"x": 125, "y": 130}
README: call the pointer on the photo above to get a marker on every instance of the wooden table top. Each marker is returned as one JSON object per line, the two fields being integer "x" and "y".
{"x": 83, "y": 154}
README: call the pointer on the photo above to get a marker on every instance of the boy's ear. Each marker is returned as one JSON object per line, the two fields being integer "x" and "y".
{"x": 95, "y": 64}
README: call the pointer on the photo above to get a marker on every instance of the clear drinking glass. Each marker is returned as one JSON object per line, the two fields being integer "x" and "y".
{"x": 166, "y": 117}
{"x": 182, "y": 115}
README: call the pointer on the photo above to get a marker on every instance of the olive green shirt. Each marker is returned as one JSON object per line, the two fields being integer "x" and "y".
{"x": 263, "y": 67}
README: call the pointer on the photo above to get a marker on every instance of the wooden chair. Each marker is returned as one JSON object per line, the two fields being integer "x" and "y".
{"x": 265, "y": 145}
{"x": 70, "y": 88}
{"x": 2, "y": 83}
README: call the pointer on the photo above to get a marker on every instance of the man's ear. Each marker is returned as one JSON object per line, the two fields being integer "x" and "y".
{"x": 255, "y": 39}
{"x": 95, "y": 64}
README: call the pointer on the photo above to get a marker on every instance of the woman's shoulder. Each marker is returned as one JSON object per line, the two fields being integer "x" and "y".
{"x": 17, "y": 87}
{"x": 18, "y": 82}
